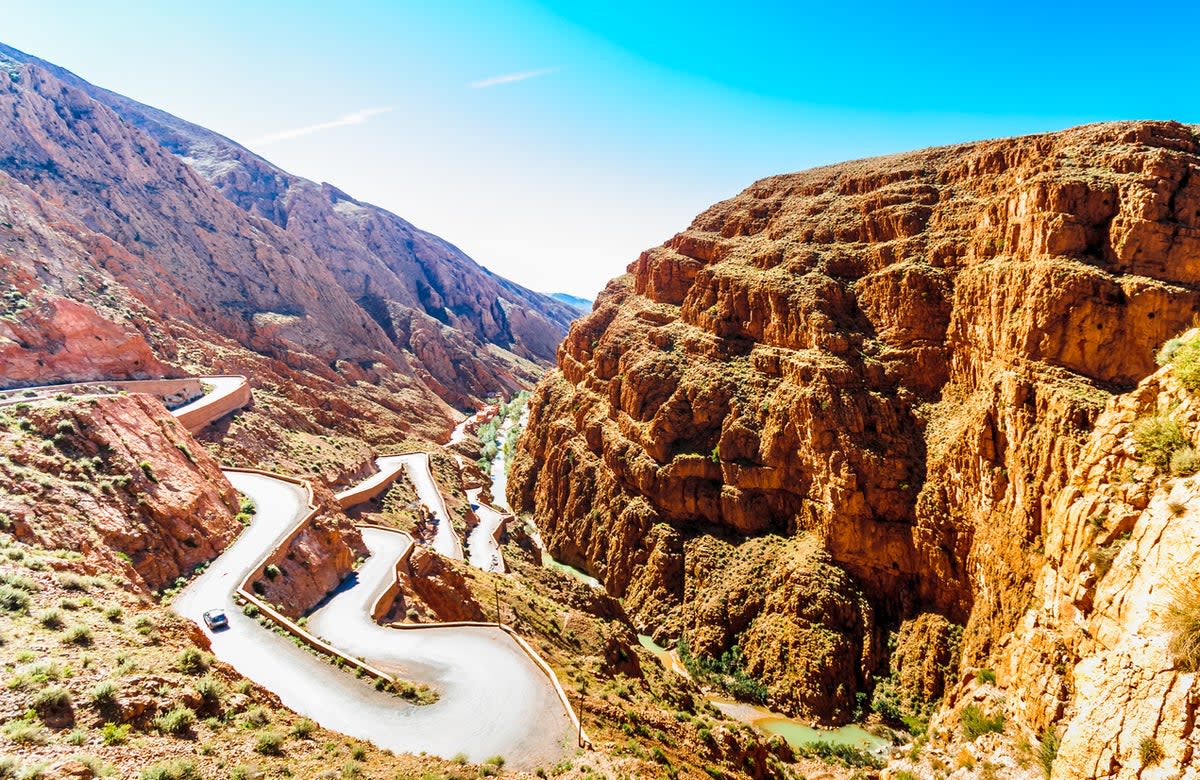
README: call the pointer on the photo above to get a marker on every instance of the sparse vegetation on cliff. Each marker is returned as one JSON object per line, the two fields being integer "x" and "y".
{"x": 136, "y": 695}
{"x": 976, "y": 723}
{"x": 1158, "y": 438}
{"x": 1182, "y": 619}
{"x": 1184, "y": 358}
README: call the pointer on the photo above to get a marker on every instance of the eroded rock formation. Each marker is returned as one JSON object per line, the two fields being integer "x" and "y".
{"x": 118, "y": 480}
{"x": 898, "y": 359}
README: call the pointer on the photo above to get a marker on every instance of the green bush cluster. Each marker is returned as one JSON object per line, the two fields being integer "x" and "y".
{"x": 192, "y": 661}
{"x": 1157, "y": 439}
{"x": 178, "y": 769}
{"x": 975, "y": 723}
{"x": 846, "y": 754}
{"x": 1184, "y": 357}
{"x": 177, "y": 721}
{"x": 1047, "y": 751}
{"x": 725, "y": 672}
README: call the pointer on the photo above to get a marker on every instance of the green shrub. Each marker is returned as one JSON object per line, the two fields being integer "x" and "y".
{"x": 51, "y": 619}
{"x": 178, "y": 769}
{"x": 272, "y": 571}
{"x": 269, "y": 743}
{"x": 113, "y": 613}
{"x": 192, "y": 661}
{"x": 1185, "y": 461}
{"x": 31, "y": 675}
{"x": 98, "y": 767}
{"x": 148, "y": 470}
{"x": 112, "y": 734}
{"x": 1150, "y": 752}
{"x": 1167, "y": 351}
{"x": 103, "y": 693}
{"x": 50, "y": 699}
{"x": 25, "y": 732}
{"x": 78, "y": 635}
{"x": 19, "y": 581}
{"x": 975, "y": 724}
{"x": 1157, "y": 439}
{"x": 358, "y": 752}
{"x": 210, "y": 689}
{"x": 177, "y": 721}
{"x": 303, "y": 728}
{"x": 255, "y": 717}
{"x": 13, "y": 599}
{"x": 1182, "y": 620}
{"x": 1185, "y": 363}
{"x": 985, "y": 676}
{"x": 70, "y": 581}
{"x": 1047, "y": 751}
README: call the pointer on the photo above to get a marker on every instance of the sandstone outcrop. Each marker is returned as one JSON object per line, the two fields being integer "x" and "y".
{"x": 119, "y": 481}
{"x": 436, "y": 587}
{"x": 313, "y": 564}
{"x": 899, "y": 359}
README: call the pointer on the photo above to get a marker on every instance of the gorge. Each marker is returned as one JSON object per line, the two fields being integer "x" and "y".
{"x": 908, "y": 443}
{"x": 843, "y": 421}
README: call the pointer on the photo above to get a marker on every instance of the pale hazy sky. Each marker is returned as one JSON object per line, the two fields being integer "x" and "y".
{"x": 553, "y": 141}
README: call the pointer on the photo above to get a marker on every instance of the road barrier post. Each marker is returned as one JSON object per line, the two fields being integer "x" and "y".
{"x": 579, "y": 736}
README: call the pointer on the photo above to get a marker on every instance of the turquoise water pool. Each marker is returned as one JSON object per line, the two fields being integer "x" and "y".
{"x": 796, "y": 734}
{"x": 582, "y": 576}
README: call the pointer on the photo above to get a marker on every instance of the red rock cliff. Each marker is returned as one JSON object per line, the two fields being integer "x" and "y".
{"x": 897, "y": 358}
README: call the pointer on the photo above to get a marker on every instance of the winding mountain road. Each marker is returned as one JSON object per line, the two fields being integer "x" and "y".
{"x": 494, "y": 701}
{"x": 484, "y": 553}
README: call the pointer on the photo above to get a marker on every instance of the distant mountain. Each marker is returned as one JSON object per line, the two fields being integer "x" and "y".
{"x": 574, "y": 301}
{"x": 128, "y": 222}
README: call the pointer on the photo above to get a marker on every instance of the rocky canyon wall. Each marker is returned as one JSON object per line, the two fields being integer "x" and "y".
{"x": 860, "y": 389}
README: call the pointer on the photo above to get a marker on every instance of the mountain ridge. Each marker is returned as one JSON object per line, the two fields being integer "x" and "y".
{"x": 123, "y": 260}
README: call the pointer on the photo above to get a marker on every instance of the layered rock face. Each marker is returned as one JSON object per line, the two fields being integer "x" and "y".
{"x": 898, "y": 359}
{"x": 210, "y": 256}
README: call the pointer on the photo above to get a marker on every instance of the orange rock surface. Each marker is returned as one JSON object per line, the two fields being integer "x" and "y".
{"x": 898, "y": 358}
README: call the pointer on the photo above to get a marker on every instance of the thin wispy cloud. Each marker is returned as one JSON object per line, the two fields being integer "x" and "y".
{"x": 509, "y": 78}
{"x": 357, "y": 118}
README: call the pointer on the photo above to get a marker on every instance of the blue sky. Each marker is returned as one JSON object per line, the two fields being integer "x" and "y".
{"x": 553, "y": 141}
